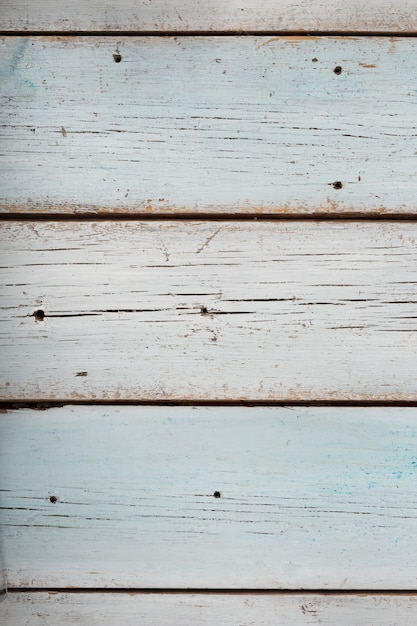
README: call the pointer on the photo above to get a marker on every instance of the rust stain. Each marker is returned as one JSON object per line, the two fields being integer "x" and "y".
{"x": 63, "y": 131}
{"x": 296, "y": 39}
{"x": 267, "y": 42}
{"x": 393, "y": 45}
{"x": 292, "y": 39}
{"x": 62, "y": 39}
{"x": 367, "y": 65}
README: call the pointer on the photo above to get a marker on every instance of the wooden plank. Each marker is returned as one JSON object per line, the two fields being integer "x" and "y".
{"x": 62, "y": 609}
{"x": 125, "y": 497}
{"x": 203, "y": 125}
{"x": 209, "y": 15}
{"x": 161, "y": 310}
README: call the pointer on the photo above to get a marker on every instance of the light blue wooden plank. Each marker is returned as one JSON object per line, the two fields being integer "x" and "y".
{"x": 101, "y": 609}
{"x": 309, "y": 497}
{"x": 208, "y": 124}
{"x": 197, "y": 15}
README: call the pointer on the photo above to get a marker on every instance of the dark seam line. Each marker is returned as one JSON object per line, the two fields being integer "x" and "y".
{"x": 208, "y": 217}
{"x": 205, "y": 33}
{"x": 187, "y": 591}
{"x": 45, "y": 405}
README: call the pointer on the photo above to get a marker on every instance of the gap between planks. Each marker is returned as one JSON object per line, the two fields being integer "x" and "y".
{"x": 44, "y": 406}
{"x": 234, "y": 592}
{"x": 206, "y": 33}
{"x": 89, "y": 216}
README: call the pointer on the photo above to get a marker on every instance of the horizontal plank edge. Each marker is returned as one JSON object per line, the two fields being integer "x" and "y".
{"x": 209, "y": 15}
{"x": 61, "y": 609}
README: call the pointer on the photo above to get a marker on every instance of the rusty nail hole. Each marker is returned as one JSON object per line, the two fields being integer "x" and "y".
{"x": 117, "y": 57}
{"x": 39, "y": 315}
{"x": 203, "y": 310}
{"x": 337, "y": 185}
{"x": 81, "y": 373}
{"x": 217, "y": 494}
{"x": 314, "y": 60}
{"x": 53, "y": 499}
{"x": 337, "y": 70}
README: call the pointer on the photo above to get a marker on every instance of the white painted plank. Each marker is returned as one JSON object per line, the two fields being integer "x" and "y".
{"x": 208, "y": 310}
{"x": 208, "y": 125}
{"x": 310, "y": 498}
{"x": 65, "y": 609}
{"x": 210, "y": 15}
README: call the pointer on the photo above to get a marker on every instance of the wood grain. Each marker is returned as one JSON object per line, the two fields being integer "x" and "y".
{"x": 209, "y": 15}
{"x": 161, "y": 310}
{"x": 61, "y": 609}
{"x": 208, "y": 125}
{"x": 123, "y": 497}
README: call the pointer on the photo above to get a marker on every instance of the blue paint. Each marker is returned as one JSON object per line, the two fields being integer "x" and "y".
{"x": 198, "y": 142}
{"x": 19, "y": 46}
{"x": 106, "y": 168}
{"x": 134, "y": 500}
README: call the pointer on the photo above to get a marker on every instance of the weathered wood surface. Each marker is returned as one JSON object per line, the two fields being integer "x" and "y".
{"x": 126, "y": 497}
{"x": 64, "y": 609}
{"x": 209, "y": 15}
{"x": 158, "y": 310}
{"x": 208, "y": 125}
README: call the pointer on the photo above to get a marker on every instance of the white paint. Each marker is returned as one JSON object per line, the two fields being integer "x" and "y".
{"x": 210, "y": 15}
{"x": 62, "y": 609}
{"x": 208, "y": 125}
{"x": 311, "y": 498}
{"x": 209, "y": 310}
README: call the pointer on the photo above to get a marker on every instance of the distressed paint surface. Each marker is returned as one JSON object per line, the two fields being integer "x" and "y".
{"x": 125, "y": 497}
{"x": 62, "y": 609}
{"x": 208, "y": 15}
{"x": 223, "y": 497}
{"x": 208, "y": 310}
{"x": 208, "y": 125}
